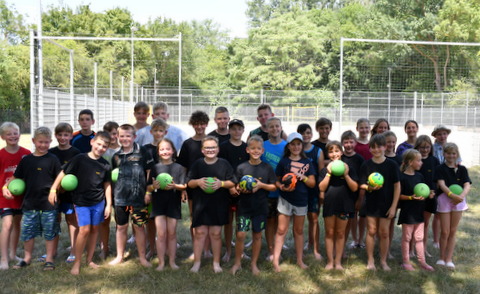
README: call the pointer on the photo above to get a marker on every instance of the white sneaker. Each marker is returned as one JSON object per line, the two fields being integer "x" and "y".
{"x": 440, "y": 262}
{"x": 450, "y": 265}
{"x": 131, "y": 240}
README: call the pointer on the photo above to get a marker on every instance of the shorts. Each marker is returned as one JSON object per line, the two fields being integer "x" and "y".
{"x": 284, "y": 207}
{"x": 139, "y": 215}
{"x": 431, "y": 205}
{"x": 66, "y": 208}
{"x": 10, "y": 211}
{"x": 345, "y": 215}
{"x": 313, "y": 203}
{"x": 38, "y": 222}
{"x": 272, "y": 207}
{"x": 445, "y": 205}
{"x": 257, "y": 222}
{"x": 90, "y": 215}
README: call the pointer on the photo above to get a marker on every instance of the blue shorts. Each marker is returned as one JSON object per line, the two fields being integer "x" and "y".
{"x": 38, "y": 222}
{"x": 66, "y": 208}
{"x": 257, "y": 222}
{"x": 313, "y": 201}
{"x": 10, "y": 211}
{"x": 90, "y": 215}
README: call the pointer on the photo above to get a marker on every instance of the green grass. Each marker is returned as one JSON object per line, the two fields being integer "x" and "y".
{"x": 130, "y": 277}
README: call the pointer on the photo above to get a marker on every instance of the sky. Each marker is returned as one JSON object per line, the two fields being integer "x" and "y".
{"x": 229, "y": 14}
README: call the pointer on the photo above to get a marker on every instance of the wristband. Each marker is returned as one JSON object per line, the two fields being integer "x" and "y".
{"x": 223, "y": 183}
{"x": 329, "y": 175}
{"x": 53, "y": 191}
{"x": 449, "y": 193}
{"x": 410, "y": 198}
{"x": 305, "y": 180}
{"x": 4, "y": 187}
{"x": 149, "y": 193}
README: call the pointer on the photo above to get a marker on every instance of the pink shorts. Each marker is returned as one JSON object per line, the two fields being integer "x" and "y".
{"x": 445, "y": 205}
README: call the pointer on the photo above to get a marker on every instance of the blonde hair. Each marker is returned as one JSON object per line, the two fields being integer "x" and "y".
{"x": 42, "y": 131}
{"x": 451, "y": 147}
{"x": 8, "y": 126}
{"x": 407, "y": 156}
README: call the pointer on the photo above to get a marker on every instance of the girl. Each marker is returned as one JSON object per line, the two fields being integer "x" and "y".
{"x": 440, "y": 133}
{"x": 363, "y": 129}
{"x": 209, "y": 210}
{"x": 450, "y": 205}
{"x": 315, "y": 154}
{"x": 391, "y": 139}
{"x": 339, "y": 205}
{"x": 411, "y": 129}
{"x": 293, "y": 200}
{"x": 412, "y": 207}
{"x": 430, "y": 162}
{"x": 166, "y": 204}
{"x": 380, "y": 126}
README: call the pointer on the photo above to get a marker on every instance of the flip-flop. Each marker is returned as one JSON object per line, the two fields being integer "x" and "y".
{"x": 21, "y": 264}
{"x": 48, "y": 266}
{"x": 70, "y": 259}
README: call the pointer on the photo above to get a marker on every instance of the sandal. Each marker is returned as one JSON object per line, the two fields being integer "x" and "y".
{"x": 42, "y": 258}
{"x": 48, "y": 266}
{"x": 21, "y": 264}
{"x": 70, "y": 259}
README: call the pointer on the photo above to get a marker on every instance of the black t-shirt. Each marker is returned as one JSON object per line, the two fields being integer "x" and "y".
{"x": 253, "y": 204}
{"x": 378, "y": 202}
{"x": 39, "y": 173}
{"x": 259, "y": 132}
{"x": 304, "y": 166}
{"x": 323, "y": 146}
{"x": 91, "y": 175}
{"x": 397, "y": 158}
{"x": 190, "y": 152}
{"x": 221, "y": 138}
{"x": 428, "y": 171}
{"x": 452, "y": 175}
{"x": 152, "y": 151}
{"x": 339, "y": 199}
{"x": 82, "y": 142}
{"x": 234, "y": 154}
{"x": 64, "y": 156}
{"x": 163, "y": 197}
{"x": 354, "y": 162}
{"x": 411, "y": 211}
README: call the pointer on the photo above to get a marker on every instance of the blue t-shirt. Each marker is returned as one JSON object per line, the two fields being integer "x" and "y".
{"x": 299, "y": 196}
{"x": 272, "y": 155}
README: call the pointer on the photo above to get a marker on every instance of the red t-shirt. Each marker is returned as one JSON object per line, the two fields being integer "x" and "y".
{"x": 8, "y": 164}
{"x": 363, "y": 150}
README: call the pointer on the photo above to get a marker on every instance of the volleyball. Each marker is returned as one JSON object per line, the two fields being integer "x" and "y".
{"x": 375, "y": 179}
{"x": 164, "y": 180}
{"x": 69, "y": 182}
{"x": 16, "y": 187}
{"x": 247, "y": 182}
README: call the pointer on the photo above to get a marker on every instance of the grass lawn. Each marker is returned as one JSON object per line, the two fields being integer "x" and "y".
{"x": 130, "y": 277}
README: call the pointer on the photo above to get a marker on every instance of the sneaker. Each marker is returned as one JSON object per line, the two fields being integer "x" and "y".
{"x": 352, "y": 245}
{"x": 131, "y": 240}
{"x": 440, "y": 262}
{"x": 450, "y": 265}
{"x": 436, "y": 245}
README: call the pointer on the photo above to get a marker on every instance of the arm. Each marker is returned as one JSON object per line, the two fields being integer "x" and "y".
{"x": 6, "y": 193}
{"x": 396, "y": 196}
{"x": 352, "y": 185}
{"x": 107, "y": 186}
{"x": 320, "y": 161}
{"x": 52, "y": 197}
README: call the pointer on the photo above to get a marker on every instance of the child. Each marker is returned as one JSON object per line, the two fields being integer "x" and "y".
{"x": 316, "y": 155}
{"x": 293, "y": 200}
{"x": 38, "y": 170}
{"x": 380, "y": 126}
{"x": 160, "y": 110}
{"x": 92, "y": 198}
{"x": 253, "y": 205}
{"x": 274, "y": 149}
{"x": 234, "y": 150}
{"x": 450, "y": 205}
{"x": 411, "y": 128}
{"x": 210, "y": 211}
{"x": 10, "y": 211}
{"x": 166, "y": 204}
{"x": 357, "y": 222}
{"x": 338, "y": 205}
{"x": 363, "y": 129}
{"x": 391, "y": 140}
{"x": 440, "y": 133}
{"x": 81, "y": 139}
{"x": 429, "y": 164}
{"x": 264, "y": 113}
{"x": 158, "y": 130}
{"x": 134, "y": 165}
{"x": 412, "y": 207}
{"x": 323, "y": 126}
{"x": 381, "y": 202}
{"x": 221, "y": 118}
{"x": 64, "y": 152}
{"x": 141, "y": 112}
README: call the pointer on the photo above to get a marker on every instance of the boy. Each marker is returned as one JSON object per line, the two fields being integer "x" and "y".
{"x": 175, "y": 134}
{"x": 234, "y": 151}
{"x": 141, "y": 112}
{"x": 253, "y": 205}
{"x": 64, "y": 152}
{"x": 381, "y": 202}
{"x": 92, "y": 198}
{"x": 274, "y": 148}
{"x": 354, "y": 161}
{"x": 134, "y": 165}
{"x": 158, "y": 130}
{"x": 221, "y": 119}
{"x": 264, "y": 112}
{"x": 39, "y": 171}
{"x": 10, "y": 211}
{"x": 81, "y": 139}
{"x": 323, "y": 126}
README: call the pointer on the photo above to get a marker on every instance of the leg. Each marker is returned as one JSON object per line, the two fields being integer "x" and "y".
{"x": 436, "y": 229}
{"x": 282, "y": 229}
{"x": 200, "y": 234}
{"x": 82, "y": 238}
{"x": 215, "y": 234}
{"x": 161, "y": 225}
{"x": 270, "y": 230}
{"x": 228, "y": 232}
{"x": 372, "y": 226}
{"x": 314, "y": 234}
{"x": 455, "y": 217}
{"x": 340, "y": 229}
{"x": 15, "y": 236}
{"x": 391, "y": 231}
{"x": 151, "y": 232}
{"x": 426, "y": 217}
{"x": 444, "y": 234}
{"x": 239, "y": 246}
{"x": 91, "y": 243}
{"x": 28, "y": 248}
{"x": 298, "y": 222}
{"x": 172, "y": 242}
{"x": 105, "y": 236}
{"x": 5, "y": 235}
{"x": 140, "y": 240}
{"x": 256, "y": 247}
{"x": 418, "y": 234}
{"x": 384, "y": 235}
{"x": 73, "y": 230}
{"x": 329, "y": 222}
{"x": 121, "y": 239}
{"x": 407, "y": 231}
{"x": 353, "y": 223}
{"x": 362, "y": 225}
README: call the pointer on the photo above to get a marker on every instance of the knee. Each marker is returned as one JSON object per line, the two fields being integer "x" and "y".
{"x": 281, "y": 231}
{"x": 241, "y": 236}
{"x": 215, "y": 235}
{"x": 329, "y": 233}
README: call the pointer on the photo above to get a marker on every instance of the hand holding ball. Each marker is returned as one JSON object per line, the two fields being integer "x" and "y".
{"x": 375, "y": 180}
{"x": 289, "y": 181}
{"x": 209, "y": 189}
{"x": 421, "y": 190}
{"x": 164, "y": 179}
{"x": 337, "y": 168}
{"x": 69, "y": 182}
{"x": 16, "y": 187}
{"x": 247, "y": 183}
{"x": 456, "y": 189}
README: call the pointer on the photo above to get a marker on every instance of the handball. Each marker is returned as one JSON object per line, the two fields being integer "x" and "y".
{"x": 115, "y": 173}
{"x": 247, "y": 183}
{"x": 69, "y": 182}
{"x": 16, "y": 187}
{"x": 456, "y": 189}
{"x": 375, "y": 180}
{"x": 421, "y": 190}
{"x": 209, "y": 189}
{"x": 289, "y": 180}
{"x": 164, "y": 180}
{"x": 338, "y": 168}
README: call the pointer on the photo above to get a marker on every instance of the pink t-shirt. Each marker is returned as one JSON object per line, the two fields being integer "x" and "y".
{"x": 8, "y": 164}
{"x": 363, "y": 150}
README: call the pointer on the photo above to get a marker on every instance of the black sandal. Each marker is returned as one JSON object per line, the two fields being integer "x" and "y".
{"x": 48, "y": 266}
{"x": 21, "y": 264}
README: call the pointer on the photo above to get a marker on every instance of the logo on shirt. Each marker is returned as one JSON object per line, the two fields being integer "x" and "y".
{"x": 298, "y": 167}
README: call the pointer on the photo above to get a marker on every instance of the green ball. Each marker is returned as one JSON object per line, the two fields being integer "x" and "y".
{"x": 69, "y": 182}
{"x": 164, "y": 180}
{"x": 209, "y": 189}
{"x": 456, "y": 189}
{"x": 16, "y": 187}
{"x": 375, "y": 179}
{"x": 338, "y": 168}
{"x": 421, "y": 190}
{"x": 115, "y": 173}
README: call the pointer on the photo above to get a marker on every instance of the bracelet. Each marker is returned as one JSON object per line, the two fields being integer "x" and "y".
{"x": 410, "y": 198}
{"x": 305, "y": 180}
{"x": 149, "y": 193}
{"x": 53, "y": 191}
{"x": 449, "y": 194}
{"x": 4, "y": 187}
{"x": 328, "y": 175}
{"x": 223, "y": 183}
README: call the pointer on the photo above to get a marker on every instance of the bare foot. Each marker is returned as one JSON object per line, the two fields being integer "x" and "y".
{"x": 255, "y": 270}
{"x": 195, "y": 267}
{"x": 217, "y": 268}
{"x": 235, "y": 268}
{"x": 385, "y": 267}
{"x": 317, "y": 255}
{"x": 329, "y": 266}
{"x": 145, "y": 263}
{"x": 390, "y": 256}
{"x": 75, "y": 270}
{"x": 339, "y": 267}
{"x": 160, "y": 267}
{"x": 4, "y": 266}
{"x": 226, "y": 257}
{"x": 371, "y": 267}
{"x": 93, "y": 265}
{"x": 302, "y": 265}
{"x": 116, "y": 261}
{"x": 276, "y": 268}
{"x": 174, "y": 266}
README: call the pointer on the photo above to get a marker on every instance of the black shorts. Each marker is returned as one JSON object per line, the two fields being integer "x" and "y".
{"x": 169, "y": 205}
{"x": 257, "y": 223}
{"x": 139, "y": 215}
{"x": 272, "y": 207}
{"x": 431, "y": 205}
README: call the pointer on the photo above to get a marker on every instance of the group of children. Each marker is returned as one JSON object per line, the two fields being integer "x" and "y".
{"x": 117, "y": 171}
